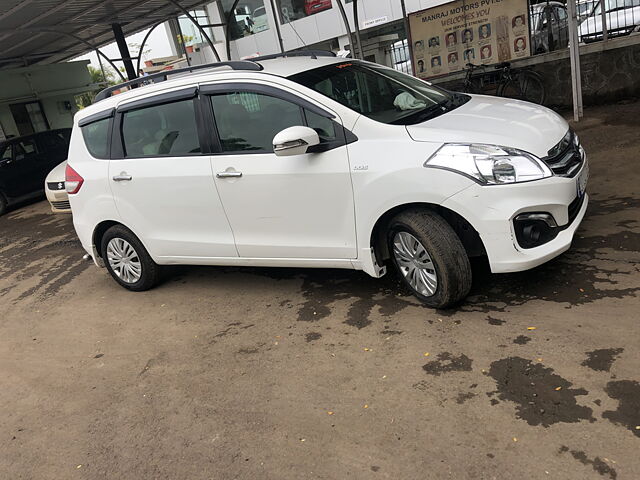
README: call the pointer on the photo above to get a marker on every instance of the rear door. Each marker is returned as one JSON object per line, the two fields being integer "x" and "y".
{"x": 162, "y": 182}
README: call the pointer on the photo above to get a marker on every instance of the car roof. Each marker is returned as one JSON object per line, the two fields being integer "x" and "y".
{"x": 280, "y": 67}
{"x": 540, "y": 6}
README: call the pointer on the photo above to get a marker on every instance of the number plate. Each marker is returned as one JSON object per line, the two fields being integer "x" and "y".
{"x": 581, "y": 181}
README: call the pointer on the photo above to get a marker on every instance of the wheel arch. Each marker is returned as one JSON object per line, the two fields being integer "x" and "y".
{"x": 467, "y": 234}
{"x": 102, "y": 227}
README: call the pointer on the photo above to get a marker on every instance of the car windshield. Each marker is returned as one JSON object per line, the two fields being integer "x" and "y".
{"x": 612, "y": 5}
{"x": 380, "y": 93}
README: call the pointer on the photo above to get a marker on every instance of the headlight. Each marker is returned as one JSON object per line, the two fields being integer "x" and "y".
{"x": 489, "y": 164}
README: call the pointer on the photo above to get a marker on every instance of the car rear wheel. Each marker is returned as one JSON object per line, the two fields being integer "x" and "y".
{"x": 128, "y": 261}
{"x": 429, "y": 258}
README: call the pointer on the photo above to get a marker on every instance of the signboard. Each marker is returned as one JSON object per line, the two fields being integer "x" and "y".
{"x": 447, "y": 37}
{"x": 374, "y": 21}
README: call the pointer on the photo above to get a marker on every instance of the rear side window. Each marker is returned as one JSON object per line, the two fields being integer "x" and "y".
{"x": 161, "y": 130}
{"x": 5, "y": 153}
{"x": 25, "y": 149}
{"x": 96, "y": 138}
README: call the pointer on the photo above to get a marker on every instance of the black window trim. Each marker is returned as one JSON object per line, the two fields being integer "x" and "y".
{"x": 343, "y": 136}
{"x": 96, "y": 117}
{"x": 160, "y": 99}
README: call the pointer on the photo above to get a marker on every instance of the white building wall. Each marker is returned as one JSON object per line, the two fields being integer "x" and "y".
{"x": 322, "y": 26}
{"x": 52, "y": 85}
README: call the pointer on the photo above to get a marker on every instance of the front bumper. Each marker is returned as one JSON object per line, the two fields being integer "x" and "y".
{"x": 491, "y": 210}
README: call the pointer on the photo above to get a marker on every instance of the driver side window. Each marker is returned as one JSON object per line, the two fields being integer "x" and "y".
{"x": 247, "y": 121}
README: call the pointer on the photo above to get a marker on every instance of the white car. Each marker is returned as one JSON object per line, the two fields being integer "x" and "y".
{"x": 322, "y": 162}
{"x": 55, "y": 190}
{"x": 623, "y": 18}
{"x": 259, "y": 18}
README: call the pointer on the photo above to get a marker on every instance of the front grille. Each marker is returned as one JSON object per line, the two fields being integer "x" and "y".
{"x": 55, "y": 185}
{"x": 566, "y": 158}
{"x": 62, "y": 205}
{"x": 574, "y": 208}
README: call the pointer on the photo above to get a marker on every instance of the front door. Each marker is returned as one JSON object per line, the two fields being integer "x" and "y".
{"x": 299, "y": 206}
{"x": 163, "y": 186}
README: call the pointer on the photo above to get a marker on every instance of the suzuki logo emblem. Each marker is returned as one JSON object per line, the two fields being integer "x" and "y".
{"x": 60, "y": 186}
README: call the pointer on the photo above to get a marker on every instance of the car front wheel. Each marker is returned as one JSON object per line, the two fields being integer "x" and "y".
{"x": 429, "y": 258}
{"x": 128, "y": 261}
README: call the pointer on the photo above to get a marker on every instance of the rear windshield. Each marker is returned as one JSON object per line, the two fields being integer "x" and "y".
{"x": 380, "y": 93}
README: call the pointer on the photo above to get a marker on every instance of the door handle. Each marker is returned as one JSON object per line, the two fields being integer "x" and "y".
{"x": 229, "y": 174}
{"x": 123, "y": 177}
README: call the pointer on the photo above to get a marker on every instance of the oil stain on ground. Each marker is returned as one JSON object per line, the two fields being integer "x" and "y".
{"x": 601, "y": 360}
{"x": 521, "y": 340}
{"x": 446, "y": 362}
{"x": 627, "y": 392}
{"x": 597, "y": 463}
{"x": 541, "y": 396}
{"x": 41, "y": 248}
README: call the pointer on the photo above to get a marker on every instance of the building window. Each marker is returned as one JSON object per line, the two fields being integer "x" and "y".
{"x": 29, "y": 117}
{"x": 291, "y": 10}
{"x": 248, "y": 18}
{"x": 191, "y": 35}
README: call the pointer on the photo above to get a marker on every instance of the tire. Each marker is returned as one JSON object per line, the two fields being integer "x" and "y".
{"x": 3, "y": 204}
{"x": 446, "y": 257}
{"x": 138, "y": 272}
{"x": 525, "y": 86}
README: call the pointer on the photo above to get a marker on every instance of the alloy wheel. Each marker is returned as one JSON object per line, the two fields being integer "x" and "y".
{"x": 123, "y": 260}
{"x": 415, "y": 264}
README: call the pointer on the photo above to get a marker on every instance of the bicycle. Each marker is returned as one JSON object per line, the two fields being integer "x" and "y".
{"x": 521, "y": 84}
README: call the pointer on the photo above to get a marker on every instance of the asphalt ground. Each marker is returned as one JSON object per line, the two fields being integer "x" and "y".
{"x": 225, "y": 373}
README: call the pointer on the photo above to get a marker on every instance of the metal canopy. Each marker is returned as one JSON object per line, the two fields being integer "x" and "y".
{"x": 50, "y": 31}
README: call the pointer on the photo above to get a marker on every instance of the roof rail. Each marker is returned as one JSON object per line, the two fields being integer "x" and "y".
{"x": 162, "y": 76}
{"x": 297, "y": 53}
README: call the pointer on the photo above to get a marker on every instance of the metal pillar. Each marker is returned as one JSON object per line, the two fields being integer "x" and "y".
{"x": 144, "y": 41}
{"x": 356, "y": 21}
{"x": 605, "y": 34}
{"x": 123, "y": 48}
{"x": 276, "y": 18}
{"x": 405, "y": 18}
{"x": 574, "y": 54}
{"x": 346, "y": 24}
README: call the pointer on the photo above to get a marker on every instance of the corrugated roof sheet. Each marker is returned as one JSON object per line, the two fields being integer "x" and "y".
{"x": 49, "y": 31}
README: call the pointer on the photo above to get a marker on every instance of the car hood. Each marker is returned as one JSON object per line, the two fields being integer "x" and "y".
{"x": 497, "y": 121}
{"x": 57, "y": 174}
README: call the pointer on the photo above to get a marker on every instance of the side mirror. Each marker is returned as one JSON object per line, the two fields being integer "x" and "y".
{"x": 294, "y": 141}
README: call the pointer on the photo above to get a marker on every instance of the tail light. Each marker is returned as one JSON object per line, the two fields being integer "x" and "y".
{"x": 73, "y": 180}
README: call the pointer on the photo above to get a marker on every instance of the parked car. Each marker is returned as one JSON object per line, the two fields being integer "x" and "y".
{"x": 549, "y": 27}
{"x": 322, "y": 162}
{"x": 623, "y": 18}
{"x": 259, "y": 17}
{"x": 25, "y": 162}
{"x": 55, "y": 190}
{"x": 315, "y": 6}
